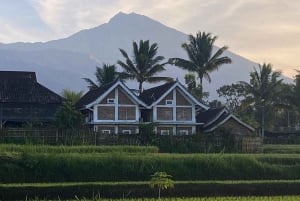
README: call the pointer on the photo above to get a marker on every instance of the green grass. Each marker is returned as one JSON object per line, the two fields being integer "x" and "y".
{"x": 116, "y": 190}
{"x": 247, "y": 198}
{"x": 282, "y": 148}
{"x": 121, "y": 166}
{"x": 13, "y": 148}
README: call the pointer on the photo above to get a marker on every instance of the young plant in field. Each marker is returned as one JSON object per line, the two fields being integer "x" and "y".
{"x": 161, "y": 180}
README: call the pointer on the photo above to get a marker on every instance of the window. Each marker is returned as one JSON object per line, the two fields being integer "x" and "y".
{"x": 127, "y": 132}
{"x": 105, "y": 131}
{"x": 110, "y": 100}
{"x": 164, "y": 132}
{"x": 183, "y": 132}
{"x": 169, "y": 102}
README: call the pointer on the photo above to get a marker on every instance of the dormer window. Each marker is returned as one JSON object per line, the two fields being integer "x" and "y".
{"x": 169, "y": 102}
{"x": 110, "y": 100}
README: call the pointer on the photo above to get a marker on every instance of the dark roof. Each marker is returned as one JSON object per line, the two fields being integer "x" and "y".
{"x": 151, "y": 95}
{"x": 22, "y": 87}
{"x": 92, "y": 95}
{"x": 208, "y": 115}
{"x": 223, "y": 116}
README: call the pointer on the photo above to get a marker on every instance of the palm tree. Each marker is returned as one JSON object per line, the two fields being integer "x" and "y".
{"x": 68, "y": 117}
{"x": 144, "y": 65}
{"x": 71, "y": 96}
{"x": 104, "y": 75}
{"x": 264, "y": 85}
{"x": 264, "y": 92}
{"x": 201, "y": 57}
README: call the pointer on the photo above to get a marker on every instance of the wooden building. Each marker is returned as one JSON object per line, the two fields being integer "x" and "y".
{"x": 24, "y": 100}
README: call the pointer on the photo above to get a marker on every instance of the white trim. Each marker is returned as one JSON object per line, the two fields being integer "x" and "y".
{"x": 129, "y": 132}
{"x": 105, "y": 131}
{"x": 183, "y": 132}
{"x": 110, "y": 101}
{"x": 116, "y": 104}
{"x": 170, "y": 102}
{"x": 164, "y": 132}
{"x": 228, "y": 117}
{"x": 174, "y": 107}
{"x": 184, "y": 90}
{"x": 216, "y": 117}
{"x": 124, "y": 87}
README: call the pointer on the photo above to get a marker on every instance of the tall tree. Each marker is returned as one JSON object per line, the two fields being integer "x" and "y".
{"x": 195, "y": 89}
{"x": 104, "y": 75}
{"x": 68, "y": 117}
{"x": 264, "y": 85}
{"x": 144, "y": 64}
{"x": 201, "y": 58}
{"x": 263, "y": 91}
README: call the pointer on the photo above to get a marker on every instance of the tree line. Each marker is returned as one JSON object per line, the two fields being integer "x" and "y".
{"x": 265, "y": 99}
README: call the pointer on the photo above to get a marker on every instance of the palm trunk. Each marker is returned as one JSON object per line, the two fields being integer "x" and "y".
{"x": 141, "y": 87}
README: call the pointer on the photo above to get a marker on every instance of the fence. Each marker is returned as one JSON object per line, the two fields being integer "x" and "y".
{"x": 171, "y": 143}
{"x": 64, "y": 137}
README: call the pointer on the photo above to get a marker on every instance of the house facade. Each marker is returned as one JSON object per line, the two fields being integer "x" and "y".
{"x": 114, "y": 108}
{"x": 24, "y": 100}
{"x": 171, "y": 108}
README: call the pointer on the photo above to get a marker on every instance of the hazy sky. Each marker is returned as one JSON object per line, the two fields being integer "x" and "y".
{"x": 260, "y": 30}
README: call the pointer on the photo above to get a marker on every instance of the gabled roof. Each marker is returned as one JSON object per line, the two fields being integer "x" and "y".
{"x": 95, "y": 96}
{"x": 151, "y": 95}
{"x": 22, "y": 87}
{"x": 154, "y": 95}
{"x": 209, "y": 116}
{"x": 213, "y": 118}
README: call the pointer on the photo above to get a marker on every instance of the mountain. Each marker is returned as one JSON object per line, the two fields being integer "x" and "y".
{"x": 63, "y": 63}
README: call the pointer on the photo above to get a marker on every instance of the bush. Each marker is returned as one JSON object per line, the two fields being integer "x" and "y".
{"x": 75, "y": 167}
{"x": 95, "y": 191}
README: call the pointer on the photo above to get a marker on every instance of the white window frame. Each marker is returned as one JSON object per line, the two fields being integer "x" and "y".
{"x": 105, "y": 131}
{"x": 183, "y": 132}
{"x": 126, "y": 132}
{"x": 169, "y": 102}
{"x": 111, "y": 101}
{"x": 164, "y": 132}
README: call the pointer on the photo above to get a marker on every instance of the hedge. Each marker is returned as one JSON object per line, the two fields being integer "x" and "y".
{"x": 74, "y": 167}
{"x": 142, "y": 190}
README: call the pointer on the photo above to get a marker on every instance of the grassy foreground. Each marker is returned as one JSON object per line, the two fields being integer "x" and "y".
{"x": 117, "y": 190}
{"x": 38, "y": 163}
{"x": 249, "y": 198}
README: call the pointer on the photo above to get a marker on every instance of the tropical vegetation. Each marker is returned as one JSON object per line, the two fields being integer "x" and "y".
{"x": 104, "y": 75}
{"x": 202, "y": 60}
{"x": 144, "y": 65}
{"x": 68, "y": 117}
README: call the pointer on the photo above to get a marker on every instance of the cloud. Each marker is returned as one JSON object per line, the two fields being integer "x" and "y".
{"x": 261, "y": 30}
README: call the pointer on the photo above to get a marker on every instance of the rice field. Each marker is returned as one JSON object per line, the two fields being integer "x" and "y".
{"x": 250, "y": 198}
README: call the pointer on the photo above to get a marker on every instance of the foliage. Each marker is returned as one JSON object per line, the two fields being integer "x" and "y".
{"x": 139, "y": 191}
{"x": 282, "y": 148}
{"x": 104, "y": 75}
{"x": 144, "y": 65}
{"x": 68, "y": 117}
{"x": 147, "y": 133}
{"x": 13, "y": 148}
{"x": 201, "y": 57}
{"x": 263, "y": 89}
{"x": 118, "y": 166}
{"x": 161, "y": 180}
{"x": 195, "y": 89}
{"x": 233, "y": 94}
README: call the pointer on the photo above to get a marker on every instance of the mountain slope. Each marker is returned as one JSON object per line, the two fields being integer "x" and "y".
{"x": 62, "y": 63}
